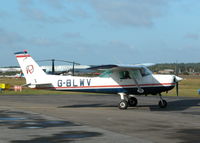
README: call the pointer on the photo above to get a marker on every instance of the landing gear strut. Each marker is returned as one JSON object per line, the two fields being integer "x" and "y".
{"x": 162, "y": 103}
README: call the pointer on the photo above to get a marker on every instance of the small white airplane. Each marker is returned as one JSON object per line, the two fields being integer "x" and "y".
{"x": 125, "y": 80}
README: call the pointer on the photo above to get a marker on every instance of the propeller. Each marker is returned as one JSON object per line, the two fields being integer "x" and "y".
{"x": 177, "y": 88}
{"x": 176, "y": 81}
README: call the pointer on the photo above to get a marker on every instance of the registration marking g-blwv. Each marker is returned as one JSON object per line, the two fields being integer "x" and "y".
{"x": 74, "y": 83}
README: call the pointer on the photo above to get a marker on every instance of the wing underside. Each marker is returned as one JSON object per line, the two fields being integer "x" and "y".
{"x": 117, "y": 67}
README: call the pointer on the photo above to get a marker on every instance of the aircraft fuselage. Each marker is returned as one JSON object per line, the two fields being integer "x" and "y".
{"x": 151, "y": 84}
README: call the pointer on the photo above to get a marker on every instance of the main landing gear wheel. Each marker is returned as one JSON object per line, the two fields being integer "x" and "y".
{"x": 123, "y": 105}
{"x": 162, "y": 103}
{"x": 132, "y": 101}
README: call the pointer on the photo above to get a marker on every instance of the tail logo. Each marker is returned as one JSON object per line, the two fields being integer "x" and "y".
{"x": 29, "y": 69}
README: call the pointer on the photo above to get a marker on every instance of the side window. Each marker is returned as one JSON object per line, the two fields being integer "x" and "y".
{"x": 124, "y": 75}
{"x": 142, "y": 71}
{"x": 106, "y": 73}
{"x": 135, "y": 74}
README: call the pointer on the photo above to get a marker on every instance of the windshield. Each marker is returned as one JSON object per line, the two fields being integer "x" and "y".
{"x": 145, "y": 71}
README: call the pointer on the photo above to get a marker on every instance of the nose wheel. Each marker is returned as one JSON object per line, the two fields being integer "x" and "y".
{"x": 162, "y": 103}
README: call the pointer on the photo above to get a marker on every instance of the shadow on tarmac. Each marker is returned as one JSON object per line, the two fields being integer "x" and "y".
{"x": 63, "y": 137}
{"x": 177, "y": 105}
{"x": 87, "y": 106}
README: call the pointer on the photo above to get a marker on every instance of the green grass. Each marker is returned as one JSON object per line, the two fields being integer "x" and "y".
{"x": 12, "y": 81}
{"x": 187, "y": 87}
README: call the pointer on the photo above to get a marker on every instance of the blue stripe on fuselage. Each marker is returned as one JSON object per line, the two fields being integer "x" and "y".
{"x": 147, "y": 90}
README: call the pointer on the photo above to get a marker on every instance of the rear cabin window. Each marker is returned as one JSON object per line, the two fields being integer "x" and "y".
{"x": 106, "y": 73}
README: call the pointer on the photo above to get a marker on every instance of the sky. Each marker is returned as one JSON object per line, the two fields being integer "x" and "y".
{"x": 93, "y": 32}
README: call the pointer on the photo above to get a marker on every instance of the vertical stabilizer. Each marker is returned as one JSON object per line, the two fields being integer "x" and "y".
{"x": 31, "y": 70}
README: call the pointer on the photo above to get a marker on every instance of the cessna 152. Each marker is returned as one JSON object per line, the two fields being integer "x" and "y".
{"x": 125, "y": 80}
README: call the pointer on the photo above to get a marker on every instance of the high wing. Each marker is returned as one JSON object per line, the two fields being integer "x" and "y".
{"x": 120, "y": 67}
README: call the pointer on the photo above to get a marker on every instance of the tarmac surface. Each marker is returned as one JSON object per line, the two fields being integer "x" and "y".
{"x": 89, "y": 118}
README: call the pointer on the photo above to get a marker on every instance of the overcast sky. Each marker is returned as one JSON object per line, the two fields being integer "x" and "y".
{"x": 101, "y": 31}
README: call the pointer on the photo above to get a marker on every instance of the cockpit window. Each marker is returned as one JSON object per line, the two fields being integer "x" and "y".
{"x": 145, "y": 71}
{"x": 136, "y": 74}
{"x": 128, "y": 74}
{"x": 124, "y": 75}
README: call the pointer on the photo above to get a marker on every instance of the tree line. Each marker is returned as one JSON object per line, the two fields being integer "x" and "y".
{"x": 179, "y": 68}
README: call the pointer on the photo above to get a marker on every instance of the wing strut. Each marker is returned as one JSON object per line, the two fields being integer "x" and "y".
{"x": 139, "y": 90}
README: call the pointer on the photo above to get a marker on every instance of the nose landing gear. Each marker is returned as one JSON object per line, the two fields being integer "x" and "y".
{"x": 162, "y": 103}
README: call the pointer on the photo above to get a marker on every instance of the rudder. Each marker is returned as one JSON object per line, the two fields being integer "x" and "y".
{"x": 31, "y": 70}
